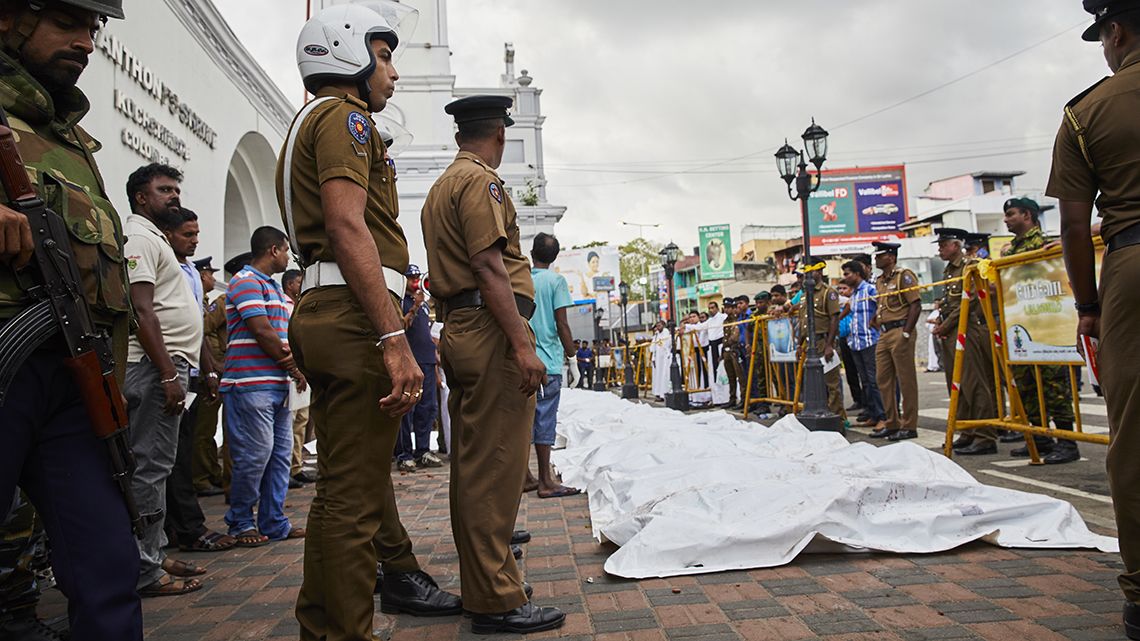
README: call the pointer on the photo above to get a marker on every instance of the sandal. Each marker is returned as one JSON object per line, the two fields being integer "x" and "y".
{"x": 167, "y": 586}
{"x": 211, "y": 541}
{"x": 296, "y": 533}
{"x": 177, "y": 568}
{"x": 560, "y": 492}
{"x": 251, "y": 538}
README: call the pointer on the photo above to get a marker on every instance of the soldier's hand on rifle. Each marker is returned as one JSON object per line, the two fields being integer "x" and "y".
{"x": 15, "y": 238}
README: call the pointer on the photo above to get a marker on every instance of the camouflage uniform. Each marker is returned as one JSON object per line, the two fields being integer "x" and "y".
{"x": 23, "y": 554}
{"x": 50, "y": 450}
{"x": 1058, "y": 390}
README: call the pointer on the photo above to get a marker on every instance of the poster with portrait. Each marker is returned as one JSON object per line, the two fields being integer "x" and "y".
{"x": 581, "y": 266}
{"x": 716, "y": 252}
{"x": 781, "y": 341}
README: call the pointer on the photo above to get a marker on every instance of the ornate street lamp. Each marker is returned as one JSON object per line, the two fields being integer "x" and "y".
{"x": 792, "y": 165}
{"x": 629, "y": 387}
{"x": 599, "y": 313}
{"x": 677, "y": 398}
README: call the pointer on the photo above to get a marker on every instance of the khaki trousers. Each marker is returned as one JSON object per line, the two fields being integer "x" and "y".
{"x": 204, "y": 466}
{"x": 835, "y": 393}
{"x": 1118, "y": 353}
{"x": 894, "y": 363}
{"x": 491, "y": 422}
{"x": 300, "y": 425}
{"x": 735, "y": 373}
{"x": 976, "y": 398}
{"x": 353, "y": 521}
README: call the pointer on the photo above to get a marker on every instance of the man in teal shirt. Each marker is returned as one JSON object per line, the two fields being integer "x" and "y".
{"x": 554, "y": 343}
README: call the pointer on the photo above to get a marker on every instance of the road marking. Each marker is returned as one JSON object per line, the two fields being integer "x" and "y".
{"x": 1049, "y": 486}
{"x": 1020, "y": 462}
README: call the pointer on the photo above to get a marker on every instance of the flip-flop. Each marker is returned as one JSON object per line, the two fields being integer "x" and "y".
{"x": 182, "y": 569}
{"x": 250, "y": 539}
{"x": 560, "y": 493}
{"x": 167, "y": 586}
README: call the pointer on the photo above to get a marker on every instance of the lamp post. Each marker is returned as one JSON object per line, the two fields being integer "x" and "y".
{"x": 599, "y": 382}
{"x": 815, "y": 415}
{"x": 677, "y": 398}
{"x": 629, "y": 387}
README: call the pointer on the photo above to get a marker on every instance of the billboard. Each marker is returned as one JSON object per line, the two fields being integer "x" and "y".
{"x": 716, "y": 252}
{"x": 855, "y": 207}
{"x": 582, "y": 266}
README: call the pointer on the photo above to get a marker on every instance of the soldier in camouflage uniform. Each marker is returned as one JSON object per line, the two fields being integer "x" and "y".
{"x": 23, "y": 555}
{"x": 1021, "y": 219}
{"x": 49, "y": 448}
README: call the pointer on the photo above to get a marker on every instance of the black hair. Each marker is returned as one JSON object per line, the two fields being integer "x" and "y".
{"x": 591, "y": 256}
{"x": 142, "y": 176}
{"x": 290, "y": 275}
{"x": 1130, "y": 20}
{"x": 545, "y": 248}
{"x": 473, "y": 130}
{"x": 264, "y": 239}
{"x": 170, "y": 221}
{"x": 855, "y": 267}
{"x": 779, "y": 289}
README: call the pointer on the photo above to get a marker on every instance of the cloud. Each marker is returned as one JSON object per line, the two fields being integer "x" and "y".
{"x": 683, "y": 88}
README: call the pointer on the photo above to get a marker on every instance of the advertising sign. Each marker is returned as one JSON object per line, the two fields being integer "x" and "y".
{"x": 855, "y": 207}
{"x": 603, "y": 284}
{"x": 582, "y": 266}
{"x": 781, "y": 341}
{"x": 1038, "y": 314}
{"x": 716, "y": 252}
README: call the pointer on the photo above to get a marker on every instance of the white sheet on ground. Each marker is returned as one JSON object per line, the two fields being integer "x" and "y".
{"x": 688, "y": 494}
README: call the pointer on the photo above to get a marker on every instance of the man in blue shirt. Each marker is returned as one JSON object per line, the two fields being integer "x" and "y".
{"x": 554, "y": 343}
{"x": 863, "y": 339}
{"x": 418, "y": 422}
{"x": 585, "y": 366}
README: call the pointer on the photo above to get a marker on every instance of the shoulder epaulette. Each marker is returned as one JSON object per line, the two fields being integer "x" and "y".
{"x": 1077, "y": 98}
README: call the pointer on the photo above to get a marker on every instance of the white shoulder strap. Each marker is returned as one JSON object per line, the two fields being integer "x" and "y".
{"x": 288, "y": 177}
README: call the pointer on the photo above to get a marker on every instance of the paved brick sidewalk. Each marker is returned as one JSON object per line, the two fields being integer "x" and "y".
{"x": 975, "y": 592}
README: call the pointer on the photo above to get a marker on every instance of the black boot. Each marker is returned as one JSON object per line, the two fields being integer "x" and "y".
{"x": 23, "y": 625}
{"x": 1132, "y": 621}
{"x": 522, "y": 620}
{"x": 519, "y": 537}
{"x": 1065, "y": 451}
{"x": 417, "y": 594}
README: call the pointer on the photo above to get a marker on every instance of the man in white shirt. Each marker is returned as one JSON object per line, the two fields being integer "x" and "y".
{"x": 166, "y": 345}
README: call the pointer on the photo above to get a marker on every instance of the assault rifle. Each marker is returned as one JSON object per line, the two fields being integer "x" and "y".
{"x": 60, "y": 306}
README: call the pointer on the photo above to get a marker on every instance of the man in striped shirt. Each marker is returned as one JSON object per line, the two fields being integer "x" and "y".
{"x": 255, "y": 383}
{"x": 863, "y": 339}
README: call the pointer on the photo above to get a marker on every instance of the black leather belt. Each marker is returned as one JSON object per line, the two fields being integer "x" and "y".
{"x": 474, "y": 298}
{"x": 889, "y": 325}
{"x": 1121, "y": 239}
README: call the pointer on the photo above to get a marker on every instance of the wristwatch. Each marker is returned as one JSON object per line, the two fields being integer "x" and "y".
{"x": 1088, "y": 308}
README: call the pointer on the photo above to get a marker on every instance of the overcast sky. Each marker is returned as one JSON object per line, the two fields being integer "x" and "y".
{"x": 661, "y": 111}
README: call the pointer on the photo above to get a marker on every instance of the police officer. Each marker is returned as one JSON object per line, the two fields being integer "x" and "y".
{"x": 1022, "y": 219}
{"x": 49, "y": 448}
{"x": 977, "y": 244}
{"x": 976, "y": 397}
{"x": 483, "y": 282}
{"x": 339, "y": 204}
{"x": 895, "y": 319}
{"x": 1096, "y": 153}
{"x": 825, "y": 305}
{"x": 206, "y": 472}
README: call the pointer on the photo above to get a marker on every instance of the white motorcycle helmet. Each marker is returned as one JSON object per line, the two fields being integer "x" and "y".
{"x": 335, "y": 44}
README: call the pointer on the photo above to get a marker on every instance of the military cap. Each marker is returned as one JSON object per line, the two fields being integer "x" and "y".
{"x": 729, "y": 301}
{"x": 813, "y": 260}
{"x": 235, "y": 264}
{"x": 413, "y": 271}
{"x": 1028, "y": 204}
{"x": 205, "y": 264}
{"x": 886, "y": 248}
{"x": 474, "y": 108}
{"x": 975, "y": 238}
{"x": 762, "y": 296}
{"x": 1104, "y": 10}
{"x": 951, "y": 233}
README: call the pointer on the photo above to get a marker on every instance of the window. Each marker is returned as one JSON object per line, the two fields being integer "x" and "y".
{"x": 515, "y": 152}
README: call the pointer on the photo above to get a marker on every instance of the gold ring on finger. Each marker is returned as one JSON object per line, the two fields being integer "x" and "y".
{"x": 407, "y": 394}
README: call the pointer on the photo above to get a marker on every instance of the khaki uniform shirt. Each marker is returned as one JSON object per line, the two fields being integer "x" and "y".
{"x": 1108, "y": 112}
{"x": 214, "y": 328}
{"x": 339, "y": 140}
{"x": 893, "y": 307}
{"x": 466, "y": 212}
{"x": 952, "y": 293}
{"x": 826, "y": 303}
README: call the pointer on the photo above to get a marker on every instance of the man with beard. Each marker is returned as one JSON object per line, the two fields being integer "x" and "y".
{"x": 50, "y": 450}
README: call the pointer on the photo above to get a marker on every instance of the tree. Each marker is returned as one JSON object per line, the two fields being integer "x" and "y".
{"x": 638, "y": 256}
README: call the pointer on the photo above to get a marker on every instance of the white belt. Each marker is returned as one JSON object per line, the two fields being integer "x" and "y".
{"x": 324, "y": 274}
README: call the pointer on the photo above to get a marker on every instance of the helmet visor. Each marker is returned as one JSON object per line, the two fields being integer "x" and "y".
{"x": 401, "y": 137}
{"x": 401, "y": 17}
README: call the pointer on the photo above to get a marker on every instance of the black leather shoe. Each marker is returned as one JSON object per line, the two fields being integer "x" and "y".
{"x": 1061, "y": 455}
{"x": 519, "y": 537}
{"x": 516, "y": 551}
{"x": 306, "y": 476}
{"x": 522, "y": 620}
{"x": 883, "y": 432}
{"x": 1132, "y": 621}
{"x": 1023, "y": 451}
{"x": 976, "y": 448}
{"x": 294, "y": 484}
{"x": 1009, "y": 436}
{"x": 903, "y": 435}
{"x": 26, "y": 627}
{"x": 963, "y": 440}
{"x": 417, "y": 594}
